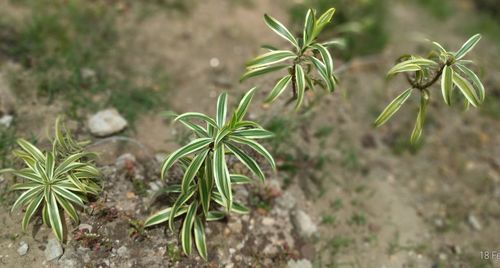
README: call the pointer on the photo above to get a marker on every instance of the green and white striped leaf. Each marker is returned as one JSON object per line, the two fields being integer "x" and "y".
{"x": 242, "y": 108}
{"x": 67, "y": 195}
{"x": 255, "y": 133}
{"x": 240, "y": 179}
{"x": 309, "y": 25}
{"x": 220, "y": 116}
{"x": 163, "y": 216}
{"x": 301, "y": 85}
{"x": 190, "y": 148}
{"x": 199, "y": 238}
{"x": 322, "y": 21}
{"x": 198, "y": 130}
{"x": 54, "y": 216}
{"x": 26, "y": 197}
{"x": 327, "y": 58}
{"x": 192, "y": 170}
{"x": 68, "y": 207}
{"x": 321, "y": 68}
{"x": 198, "y": 116}
{"x": 447, "y": 84}
{"x": 393, "y": 107}
{"x": 278, "y": 89}
{"x": 215, "y": 215}
{"x": 467, "y": 46}
{"x": 270, "y": 58}
{"x": 247, "y": 161}
{"x": 187, "y": 227}
{"x": 31, "y": 209}
{"x": 474, "y": 79}
{"x": 205, "y": 185}
{"x": 222, "y": 180}
{"x": 181, "y": 200}
{"x": 466, "y": 88}
{"x": 260, "y": 71}
{"x": 256, "y": 147}
{"x": 419, "y": 124}
{"x": 31, "y": 150}
{"x": 281, "y": 30}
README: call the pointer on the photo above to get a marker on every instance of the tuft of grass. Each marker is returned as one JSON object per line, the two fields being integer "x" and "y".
{"x": 70, "y": 49}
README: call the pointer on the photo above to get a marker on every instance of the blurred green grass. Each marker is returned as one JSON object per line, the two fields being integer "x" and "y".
{"x": 70, "y": 48}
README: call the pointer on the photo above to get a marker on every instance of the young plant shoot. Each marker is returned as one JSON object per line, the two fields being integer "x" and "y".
{"x": 207, "y": 179}
{"x": 450, "y": 68}
{"x": 305, "y": 56}
{"x": 55, "y": 181}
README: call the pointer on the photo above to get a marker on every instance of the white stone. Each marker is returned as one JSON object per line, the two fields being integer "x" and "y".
{"x": 303, "y": 223}
{"x": 23, "y": 248}
{"x": 106, "y": 122}
{"x": 474, "y": 222}
{"x": 303, "y": 263}
{"x": 6, "y": 120}
{"x": 53, "y": 250}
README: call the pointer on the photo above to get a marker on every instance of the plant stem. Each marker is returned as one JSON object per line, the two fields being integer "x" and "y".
{"x": 419, "y": 85}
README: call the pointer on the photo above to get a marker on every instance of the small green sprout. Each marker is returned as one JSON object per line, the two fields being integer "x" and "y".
{"x": 307, "y": 54}
{"x": 206, "y": 175}
{"x": 421, "y": 73}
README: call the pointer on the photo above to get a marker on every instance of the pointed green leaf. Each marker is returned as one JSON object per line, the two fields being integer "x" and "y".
{"x": 393, "y": 107}
{"x": 301, "y": 85}
{"x": 54, "y": 216}
{"x": 215, "y": 215}
{"x": 31, "y": 209}
{"x": 222, "y": 180}
{"x": 322, "y": 21}
{"x": 278, "y": 89}
{"x": 281, "y": 30}
{"x": 327, "y": 58}
{"x": 187, "y": 227}
{"x": 221, "y": 110}
{"x": 240, "y": 179}
{"x": 199, "y": 116}
{"x": 467, "y": 46}
{"x": 192, "y": 170}
{"x": 309, "y": 25}
{"x": 242, "y": 108}
{"x": 466, "y": 89}
{"x": 205, "y": 185}
{"x": 181, "y": 200}
{"x": 260, "y": 71}
{"x": 447, "y": 84}
{"x": 474, "y": 79}
{"x": 256, "y": 147}
{"x": 417, "y": 130}
{"x": 199, "y": 238}
{"x": 190, "y": 148}
{"x": 255, "y": 133}
{"x": 247, "y": 161}
{"x": 163, "y": 216}
{"x": 270, "y": 58}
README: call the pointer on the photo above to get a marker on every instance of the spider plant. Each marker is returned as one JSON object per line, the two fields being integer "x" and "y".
{"x": 207, "y": 180}
{"x": 306, "y": 55}
{"x": 54, "y": 182}
{"x": 450, "y": 68}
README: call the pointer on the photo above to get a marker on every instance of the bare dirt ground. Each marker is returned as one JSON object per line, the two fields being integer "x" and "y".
{"x": 374, "y": 207}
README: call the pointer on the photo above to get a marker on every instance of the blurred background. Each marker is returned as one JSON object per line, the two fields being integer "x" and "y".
{"x": 373, "y": 199}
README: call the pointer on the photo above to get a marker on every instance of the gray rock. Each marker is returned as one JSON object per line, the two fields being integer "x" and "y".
{"x": 23, "y": 248}
{"x": 106, "y": 122}
{"x": 303, "y": 224}
{"x": 122, "y": 251}
{"x": 88, "y": 74}
{"x": 53, "y": 249}
{"x": 303, "y": 263}
{"x": 6, "y": 120}
{"x": 474, "y": 222}
{"x": 286, "y": 201}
